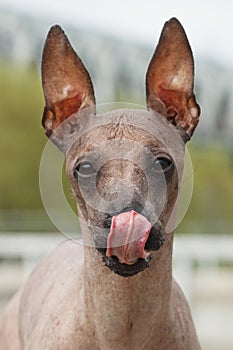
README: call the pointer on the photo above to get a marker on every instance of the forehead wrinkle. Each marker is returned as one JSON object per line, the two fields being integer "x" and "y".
{"x": 137, "y": 141}
{"x": 119, "y": 128}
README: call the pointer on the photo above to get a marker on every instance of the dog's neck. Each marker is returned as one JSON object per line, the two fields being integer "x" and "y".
{"x": 135, "y": 305}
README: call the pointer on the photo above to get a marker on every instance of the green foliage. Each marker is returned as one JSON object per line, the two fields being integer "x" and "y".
{"x": 22, "y": 138}
{"x": 211, "y": 206}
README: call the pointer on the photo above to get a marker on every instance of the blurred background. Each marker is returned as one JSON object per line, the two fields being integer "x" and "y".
{"x": 116, "y": 41}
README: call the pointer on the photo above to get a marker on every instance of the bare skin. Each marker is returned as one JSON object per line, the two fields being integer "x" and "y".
{"x": 153, "y": 316}
{"x": 78, "y": 298}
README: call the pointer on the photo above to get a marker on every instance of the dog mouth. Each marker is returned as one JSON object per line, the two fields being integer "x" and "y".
{"x": 130, "y": 241}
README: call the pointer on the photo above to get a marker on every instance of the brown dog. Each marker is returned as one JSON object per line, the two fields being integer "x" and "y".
{"x": 125, "y": 167}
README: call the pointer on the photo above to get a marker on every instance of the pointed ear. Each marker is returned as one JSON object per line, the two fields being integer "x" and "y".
{"x": 66, "y": 82}
{"x": 169, "y": 80}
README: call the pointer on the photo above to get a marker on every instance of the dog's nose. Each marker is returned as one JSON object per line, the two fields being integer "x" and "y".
{"x": 133, "y": 206}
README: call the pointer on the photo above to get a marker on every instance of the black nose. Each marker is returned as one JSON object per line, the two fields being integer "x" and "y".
{"x": 136, "y": 206}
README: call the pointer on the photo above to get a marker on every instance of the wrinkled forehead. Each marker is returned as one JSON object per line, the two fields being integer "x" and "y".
{"x": 121, "y": 131}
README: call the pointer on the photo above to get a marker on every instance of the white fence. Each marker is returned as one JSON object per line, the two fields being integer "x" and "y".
{"x": 203, "y": 265}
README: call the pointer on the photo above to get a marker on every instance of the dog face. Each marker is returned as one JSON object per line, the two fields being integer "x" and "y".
{"x": 120, "y": 165}
{"x": 124, "y": 166}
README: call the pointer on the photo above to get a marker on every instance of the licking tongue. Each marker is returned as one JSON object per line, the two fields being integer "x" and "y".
{"x": 127, "y": 237}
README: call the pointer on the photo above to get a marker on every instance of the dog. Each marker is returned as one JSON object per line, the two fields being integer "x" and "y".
{"x": 115, "y": 290}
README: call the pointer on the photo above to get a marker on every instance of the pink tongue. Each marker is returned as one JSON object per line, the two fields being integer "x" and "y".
{"x": 127, "y": 237}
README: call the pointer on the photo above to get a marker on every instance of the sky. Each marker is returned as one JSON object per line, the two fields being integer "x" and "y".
{"x": 208, "y": 24}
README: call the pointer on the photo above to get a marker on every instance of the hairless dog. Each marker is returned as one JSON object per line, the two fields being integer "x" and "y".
{"x": 115, "y": 290}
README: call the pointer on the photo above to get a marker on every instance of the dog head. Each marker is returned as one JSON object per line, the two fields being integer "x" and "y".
{"x": 124, "y": 166}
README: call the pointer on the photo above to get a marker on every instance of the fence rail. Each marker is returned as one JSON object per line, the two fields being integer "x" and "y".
{"x": 190, "y": 251}
{"x": 201, "y": 247}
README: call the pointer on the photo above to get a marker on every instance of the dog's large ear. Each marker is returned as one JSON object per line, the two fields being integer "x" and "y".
{"x": 169, "y": 80}
{"x": 66, "y": 82}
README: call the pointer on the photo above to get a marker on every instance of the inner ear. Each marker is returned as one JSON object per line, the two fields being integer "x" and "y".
{"x": 66, "y": 82}
{"x": 55, "y": 115}
{"x": 170, "y": 79}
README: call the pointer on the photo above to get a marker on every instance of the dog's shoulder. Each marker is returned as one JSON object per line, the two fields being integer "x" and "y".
{"x": 62, "y": 261}
{"x": 59, "y": 267}
{"x": 50, "y": 292}
{"x": 182, "y": 321}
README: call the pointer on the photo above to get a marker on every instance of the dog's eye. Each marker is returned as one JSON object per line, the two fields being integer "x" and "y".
{"x": 84, "y": 169}
{"x": 163, "y": 164}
